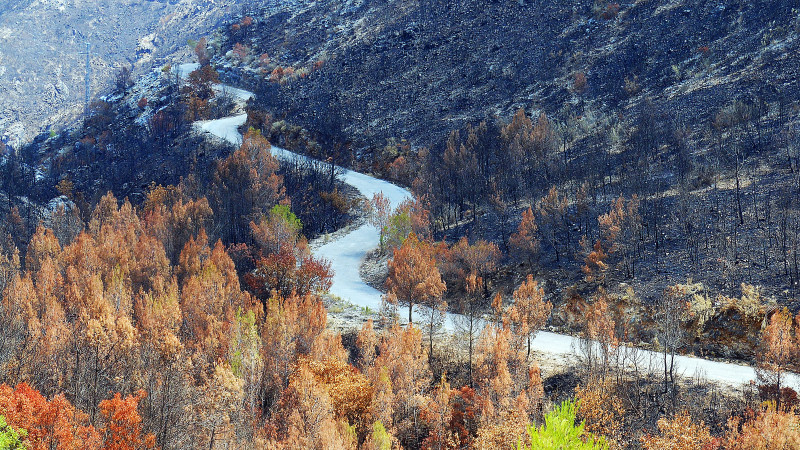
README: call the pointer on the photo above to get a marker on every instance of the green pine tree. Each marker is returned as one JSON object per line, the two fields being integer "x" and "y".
{"x": 560, "y": 432}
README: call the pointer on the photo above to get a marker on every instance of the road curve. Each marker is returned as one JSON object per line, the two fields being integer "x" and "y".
{"x": 345, "y": 253}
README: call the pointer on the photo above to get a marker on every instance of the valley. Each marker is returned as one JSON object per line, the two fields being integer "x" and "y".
{"x": 346, "y": 224}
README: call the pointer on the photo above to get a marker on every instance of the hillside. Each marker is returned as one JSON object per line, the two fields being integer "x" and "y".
{"x": 382, "y": 88}
{"x": 697, "y": 95}
{"x": 42, "y": 69}
{"x": 435, "y": 224}
{"x": 400, "y": 70}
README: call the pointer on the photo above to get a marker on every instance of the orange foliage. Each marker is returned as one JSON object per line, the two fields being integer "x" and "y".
{"x": 594, "y": 266}
{"x": 768, "y": 429}
{"x": 264, "y": 61}
{"x": 600, "y": 340}
{"x": 209, "y": 297}
{"x": 417, "y": 210}
{"x": 778, "y": 350}
{"x": 50, "y": 424}
{"x": 218, "y": 408}
{"x": 246, "y": 186}
{"x": 159, "y": 318}
{"x": 241, "y": 51}
{"x": 43, "y": 245}
{"x": 57, "y": 424}
{"x": 172, "y": 219}
{"x": 276, "y": 75}
{"x": 438, "y": 416}
{"x": 202, "y": 80}
{"x": 508, "y": 392}
{"x": 367, "y": 342}
{"x": 123, "y": 425}
{"x": 273, "y": 232}
{"x": 464, "y": 258}
{"x": 680, "y": 433}
{"x": 289, "y": 328}
{"x": 413, "y": 276}
{"x": 401, "y": 376}
{"x": 349, "y": 390}
{"x": 526, "y": 240}
{"x": 619, "y": 229}
{"x": 110, "y": 313}
{"x": 464, "y": 419}
{"x": 306, "y": 417}
{"x": 201, "y": 51}
{"x": 530, "y": 311}
{"x": 283, "y": 274}
{"x": 602, "y": 412}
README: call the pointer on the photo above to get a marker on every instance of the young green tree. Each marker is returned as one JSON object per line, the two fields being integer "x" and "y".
{"x": 10, "y": 438}
{"x": 379, "y": 439}
{"x": 559, "y": 431}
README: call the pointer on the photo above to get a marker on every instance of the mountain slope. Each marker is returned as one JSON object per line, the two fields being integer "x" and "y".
{"x": 41, "y": 66}
{"x": 417, "y": 70}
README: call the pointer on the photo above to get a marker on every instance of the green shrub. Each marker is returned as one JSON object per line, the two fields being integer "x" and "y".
{"x": 9, "y": 437}
{"x": 559, "y": 432}
{"x": 285, "y": 213}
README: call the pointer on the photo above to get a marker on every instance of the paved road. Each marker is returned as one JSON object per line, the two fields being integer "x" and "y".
{"x": 346, "y": 253}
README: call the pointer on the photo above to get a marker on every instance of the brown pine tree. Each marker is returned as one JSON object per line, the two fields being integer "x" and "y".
{"x": 530, "y": 310}
{"x": 598, "y": 341}
{"x": 438, "y": 415}
{"x": 123, "y": 424}
{"x": 620, "y": 230}
{"x": 402, "y": 377}
{"x": 246, "y": 186}
{"x": 413, "y": 275}
{"x": 777, "y": 353}
{"x": 525, "y": 242}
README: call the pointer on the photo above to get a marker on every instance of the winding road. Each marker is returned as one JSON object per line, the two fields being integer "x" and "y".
{"x": 346, "y": 253}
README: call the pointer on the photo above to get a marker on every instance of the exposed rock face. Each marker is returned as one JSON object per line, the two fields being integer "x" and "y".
{"x": 41, "y": 66}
